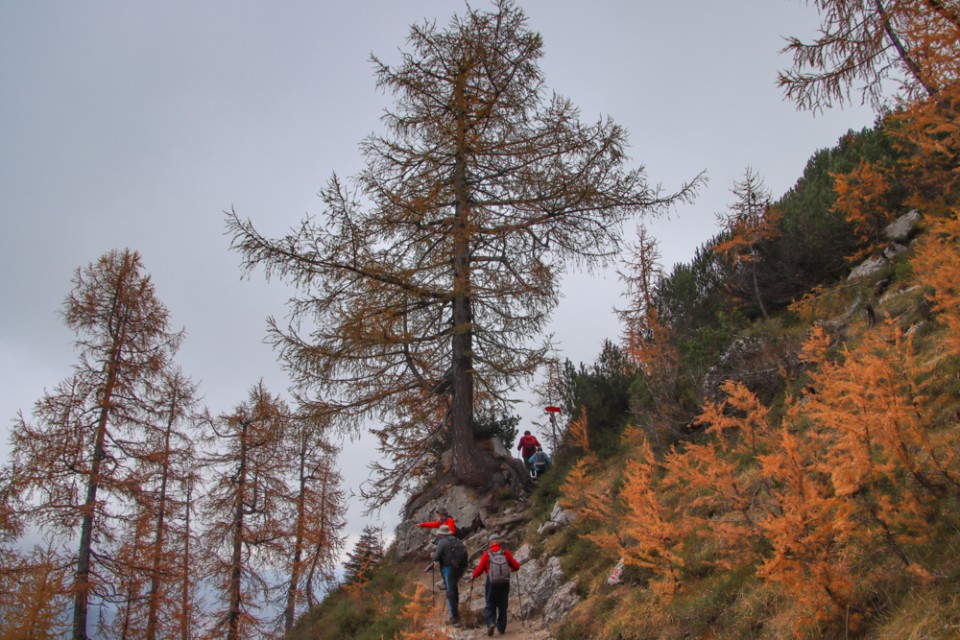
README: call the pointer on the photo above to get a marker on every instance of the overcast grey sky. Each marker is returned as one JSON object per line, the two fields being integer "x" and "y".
{"x": 136, "y": 124}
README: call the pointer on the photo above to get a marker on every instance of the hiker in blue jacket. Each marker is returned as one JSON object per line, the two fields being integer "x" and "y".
{"x": 538, "y": 462}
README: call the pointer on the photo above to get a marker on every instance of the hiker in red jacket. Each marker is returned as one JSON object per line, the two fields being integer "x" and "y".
{"x": 527, "y": 447}
{"x": 445, "y": 519}
{"x": 497, "y": 563}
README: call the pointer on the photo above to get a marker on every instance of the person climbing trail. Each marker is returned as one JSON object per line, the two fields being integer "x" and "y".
{"x": 497, "y": 562}
{"x": 451, "y": 556}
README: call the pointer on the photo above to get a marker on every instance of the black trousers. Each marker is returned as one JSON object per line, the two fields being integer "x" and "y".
{"x": 496, "y": 609}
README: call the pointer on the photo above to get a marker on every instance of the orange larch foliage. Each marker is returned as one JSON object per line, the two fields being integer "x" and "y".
{"x": 721, "y": 491}
{"x": 862, "y": 201}
{"x": 872, "y": 417}
{"x": 936, "y": 265}
{"x": 928, "y": 134}
{"x": 807, "y": 530}
{"x": 585, "y": 494}
{"x": 718, "y": 500}
{"x": 578, "y": 434}
{"x": 416, "y": 612}
{"x": 646, "y": 340}
{"x": 34, "y": 596}
{"x": 747, "y": 225}
{"x": 648, "y": 534}
{"x": 354, "y": 589}
{"x": 742, "y": 413}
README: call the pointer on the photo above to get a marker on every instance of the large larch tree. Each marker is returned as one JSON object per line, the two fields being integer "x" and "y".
{"x": 74, "y": 464}
{"x": 428, "y": 281}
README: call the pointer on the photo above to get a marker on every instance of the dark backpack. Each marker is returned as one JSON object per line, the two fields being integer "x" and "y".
{"x": 499, "y": 568}
{"x": 456, "y": 555}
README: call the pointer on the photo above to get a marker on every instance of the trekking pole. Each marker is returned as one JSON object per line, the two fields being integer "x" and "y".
{"x": 470, "y": 598}
{"x": 523, "y": 622}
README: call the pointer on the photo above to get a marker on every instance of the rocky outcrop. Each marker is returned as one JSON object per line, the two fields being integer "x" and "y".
{"x": 755, "y": 362}
{"x": 867, "y": 268}
{"x": 462, "y": 503}
{"x": 904, "y": 228}
{"x": 544, "y": 591}
{"x": 899, "y": 232}
{"x": 559, "y": 518}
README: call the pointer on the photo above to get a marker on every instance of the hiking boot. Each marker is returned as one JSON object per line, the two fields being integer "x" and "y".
{"x": 490, "y": 630}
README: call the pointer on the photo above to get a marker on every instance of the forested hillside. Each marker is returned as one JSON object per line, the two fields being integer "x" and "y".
{"x": 770, "y": 449}
{"x": 753, "y": 476}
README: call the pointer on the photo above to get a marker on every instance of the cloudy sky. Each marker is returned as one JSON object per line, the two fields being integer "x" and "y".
{"x": 136, "y": 124}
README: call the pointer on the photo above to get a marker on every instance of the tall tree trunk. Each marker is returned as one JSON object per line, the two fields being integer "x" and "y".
{"x": 81, "y": 586}
{"x": 466, "y": 463}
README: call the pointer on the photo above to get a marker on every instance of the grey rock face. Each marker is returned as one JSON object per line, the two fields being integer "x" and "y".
{"x": 904, "y": 227}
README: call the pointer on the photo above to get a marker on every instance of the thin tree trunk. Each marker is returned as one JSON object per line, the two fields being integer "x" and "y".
{"x": 756, "y": 292}
{"x": 186, "y": 608}
{"x": 318, "y": 548}
{"x": 154, "y": 596}
{"x": 236, "y": 561}
{"x": 295, "y": 569}
{"x": 902, "y": 50}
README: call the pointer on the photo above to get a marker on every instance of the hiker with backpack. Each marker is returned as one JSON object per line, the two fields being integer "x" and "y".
{"x": 527, "y": 447}
{"x": 497, "y": 563}
{"x": 444, "y": 519}
{"x": 539, "y": 462}
{"x": 451, "y": 557}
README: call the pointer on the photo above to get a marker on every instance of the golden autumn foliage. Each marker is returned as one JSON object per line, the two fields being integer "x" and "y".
{"x": 862, "y": 201}
{"x": 814, "y": 496}
{"x": 578, "y": 435}
{"x": 936, "y": 265}
{"x": 649, "y": 534}
{"x": 748, "y": 223}
{"x": 582, "y": 494}
{"x": 929, "y": 134}
{"x": 430, "y": 278}
{"x": 806, "y": 529}
{"x": 417, "y": 611}
{"x": 648, "y": 342}
{"x": 34, "y": 596}
{"x": 646, "y": 339}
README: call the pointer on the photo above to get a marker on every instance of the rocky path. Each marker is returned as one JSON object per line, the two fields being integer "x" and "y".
{"x": 471, "y": 614}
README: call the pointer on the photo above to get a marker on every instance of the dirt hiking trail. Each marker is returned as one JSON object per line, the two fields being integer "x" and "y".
{"x": 473, "y": 626}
